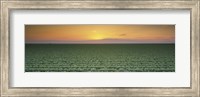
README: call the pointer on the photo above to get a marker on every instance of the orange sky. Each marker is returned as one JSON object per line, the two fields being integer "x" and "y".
{"x": 100, "y": 33}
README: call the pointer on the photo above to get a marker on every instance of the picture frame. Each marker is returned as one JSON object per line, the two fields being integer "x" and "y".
{"x": 8, "y": 5}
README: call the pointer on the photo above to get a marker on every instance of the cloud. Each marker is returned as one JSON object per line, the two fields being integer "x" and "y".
{"x": 122, "y": 35}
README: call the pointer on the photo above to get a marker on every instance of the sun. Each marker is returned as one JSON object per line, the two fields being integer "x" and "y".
{"x": 96, "y": 35}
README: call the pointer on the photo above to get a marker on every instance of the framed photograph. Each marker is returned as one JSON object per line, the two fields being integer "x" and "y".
{"x": 100, "y": 48}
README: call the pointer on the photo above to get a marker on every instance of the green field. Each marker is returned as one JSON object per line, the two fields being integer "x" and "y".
{"x": 99, "y": 57}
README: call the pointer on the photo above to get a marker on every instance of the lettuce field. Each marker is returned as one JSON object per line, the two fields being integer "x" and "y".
{"x": 99, "y": 57}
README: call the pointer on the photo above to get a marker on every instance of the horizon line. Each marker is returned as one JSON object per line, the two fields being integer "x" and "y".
{"x": 99, "y": 43}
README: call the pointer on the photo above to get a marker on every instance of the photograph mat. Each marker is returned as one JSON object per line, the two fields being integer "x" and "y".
{"x": 179, "y": 78}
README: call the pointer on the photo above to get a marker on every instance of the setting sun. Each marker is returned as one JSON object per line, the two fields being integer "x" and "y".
{"x": 97, "y": 36}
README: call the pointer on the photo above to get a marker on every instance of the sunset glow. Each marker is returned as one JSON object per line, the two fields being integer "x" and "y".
{"x": 99, "y": 34}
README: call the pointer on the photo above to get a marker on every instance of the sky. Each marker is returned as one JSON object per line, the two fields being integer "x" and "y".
{"x": 99, "y": 34}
